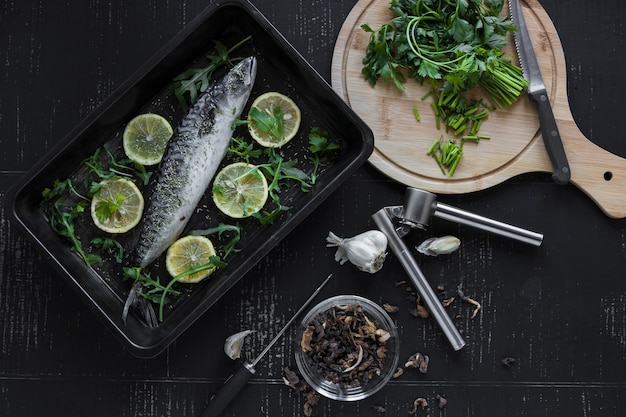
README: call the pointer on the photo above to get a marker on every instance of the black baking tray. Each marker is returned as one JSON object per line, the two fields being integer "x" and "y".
{"x": 280, "y": 68}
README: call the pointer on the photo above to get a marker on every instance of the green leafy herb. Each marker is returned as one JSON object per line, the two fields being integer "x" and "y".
{"x": 105, "y": 207}
{"x": 447, "y": 154}
{"x": 243, "y": 150}
{"x": 189, "y": 84}
{"x": 219, "y": 230}
{"x": 110, "y": 246}
{"x": 107, "y": 166}
{"x": 62, "y": 213}
{"x": 268, "y": 122}
{"x": 214, "y": 262}
{"x": 152, "y": 289}
{"x": 457, "y": 46}
{"x": 322, "y": 148}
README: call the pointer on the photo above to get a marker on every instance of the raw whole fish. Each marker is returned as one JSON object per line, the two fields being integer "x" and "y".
{"x": 191, "y": 159}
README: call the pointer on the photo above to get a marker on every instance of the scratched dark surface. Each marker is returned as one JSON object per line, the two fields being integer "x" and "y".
{"x": 560, "y": 309}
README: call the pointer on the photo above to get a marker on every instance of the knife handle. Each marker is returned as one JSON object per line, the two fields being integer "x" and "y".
{"x": 552, "y": 138}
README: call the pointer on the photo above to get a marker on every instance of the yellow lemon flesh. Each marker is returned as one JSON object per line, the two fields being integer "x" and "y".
{"x": 117, "y": 206}
{"x": 187, "y": 253}
{"x": 291, "y": 118}
{"x": 145, "y": 138}
{"x": 240, "y": 190}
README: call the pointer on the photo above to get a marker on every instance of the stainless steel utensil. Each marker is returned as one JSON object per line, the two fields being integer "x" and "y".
{"x": 537, "y": 91}
{"x": 419, "y": 206}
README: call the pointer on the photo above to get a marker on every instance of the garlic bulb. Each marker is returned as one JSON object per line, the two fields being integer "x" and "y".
{"x": 234, "y": 343}
{"x": 439, "y": 245}
{"x": 367, "y": 251}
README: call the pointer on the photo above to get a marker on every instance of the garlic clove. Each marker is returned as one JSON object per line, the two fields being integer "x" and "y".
{"x": 234, "y": 344}
{"x": 367, "y": 251}
{"x": 439, "y": 245}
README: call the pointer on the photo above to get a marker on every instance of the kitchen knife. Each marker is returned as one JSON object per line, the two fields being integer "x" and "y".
{"x": 537, "y": 91}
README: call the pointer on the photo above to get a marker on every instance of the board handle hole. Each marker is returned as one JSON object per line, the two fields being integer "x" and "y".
{"x": 608, "y": 175}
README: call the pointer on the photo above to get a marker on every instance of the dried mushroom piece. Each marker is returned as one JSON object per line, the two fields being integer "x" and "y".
{"x": 470, "y": 300}
{"x": 391, "y": 309}
{"x": 345, "y": 346}
{"x": 441, "y": 401}
{"x": 418, "y": 361}
{"x": 311, "y": 398}
{"x": 419, "y": 403}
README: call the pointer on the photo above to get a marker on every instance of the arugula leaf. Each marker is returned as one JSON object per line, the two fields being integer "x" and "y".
{"x": 219, "y": 230}
{"x": 110, "y": 246}
{"x": 268, "y": 122}
{"x": 189, "y": 84}
{"x": 242, "y": 149}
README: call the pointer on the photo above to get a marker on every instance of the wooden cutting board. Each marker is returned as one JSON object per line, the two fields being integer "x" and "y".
{"x": 515, "y": 146}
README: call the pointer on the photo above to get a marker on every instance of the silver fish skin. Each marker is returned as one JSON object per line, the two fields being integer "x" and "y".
{"x": 191, "y": 159}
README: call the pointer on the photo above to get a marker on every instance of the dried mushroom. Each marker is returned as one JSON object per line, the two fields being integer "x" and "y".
{"x": 345, "y": 346}
{"x": 441, "y": 401}
{"x": 419, "y": 403}
{"x": 311, "y": 398}
{"x": 470, "y": 300}
{"x": 508, "y": 361}
{"x": 418, "y": 361}
{"x": 391, "y": 309}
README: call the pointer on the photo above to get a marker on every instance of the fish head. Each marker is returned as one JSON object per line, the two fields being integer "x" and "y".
{"x": 239, "y": 81}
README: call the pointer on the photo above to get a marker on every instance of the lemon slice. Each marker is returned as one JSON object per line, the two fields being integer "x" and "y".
{"x": 240, "y": 190}
{"x": 117, "y": 206}
{"x": 187, "y": 253}
{"x": 145, "y": 138}
{"x": 267, "y": 104}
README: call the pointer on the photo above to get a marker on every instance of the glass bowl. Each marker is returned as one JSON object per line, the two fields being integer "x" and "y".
{"x": 353, "y": 380}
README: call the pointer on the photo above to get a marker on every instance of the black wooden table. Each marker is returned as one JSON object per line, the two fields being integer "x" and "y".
{"x": 559, "y": 309}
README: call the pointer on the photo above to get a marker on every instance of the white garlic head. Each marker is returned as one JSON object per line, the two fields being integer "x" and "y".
{"x": 367, "y": 251}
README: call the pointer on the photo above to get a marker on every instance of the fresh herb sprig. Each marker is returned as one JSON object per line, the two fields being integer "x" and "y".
{"x": 271, "y": 123}
{"x": 282, "y": 173}
{"x": 321, "y": 148}
{"x": 241, "y": 149}
{"x": 456, "y": 45}
{"x": 188, "y": 85}
{"x": 63, "y": 204}
{"x": 452, "y": 41}
{"x": 214, "y": 262}
{"x": 152, "y": 289}
{"x": 62, "y": 211}
{"x": 219, "y": 230}
{"x": 110, "y": 246}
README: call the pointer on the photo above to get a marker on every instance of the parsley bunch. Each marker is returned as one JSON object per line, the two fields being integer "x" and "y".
{"x": 457, "y": 46}
{"x": 456, "y": 42}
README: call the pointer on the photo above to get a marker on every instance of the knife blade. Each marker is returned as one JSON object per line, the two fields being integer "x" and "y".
{"x": 537, "y": 91}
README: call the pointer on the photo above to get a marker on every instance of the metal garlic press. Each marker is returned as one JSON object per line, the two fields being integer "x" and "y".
{"x": 418, "y": 209}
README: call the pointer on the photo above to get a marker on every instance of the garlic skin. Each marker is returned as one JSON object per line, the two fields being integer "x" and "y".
{"x": 439, "y": 245}
{"x": 234, "y": 343}
{"x": 367, "y": 251}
